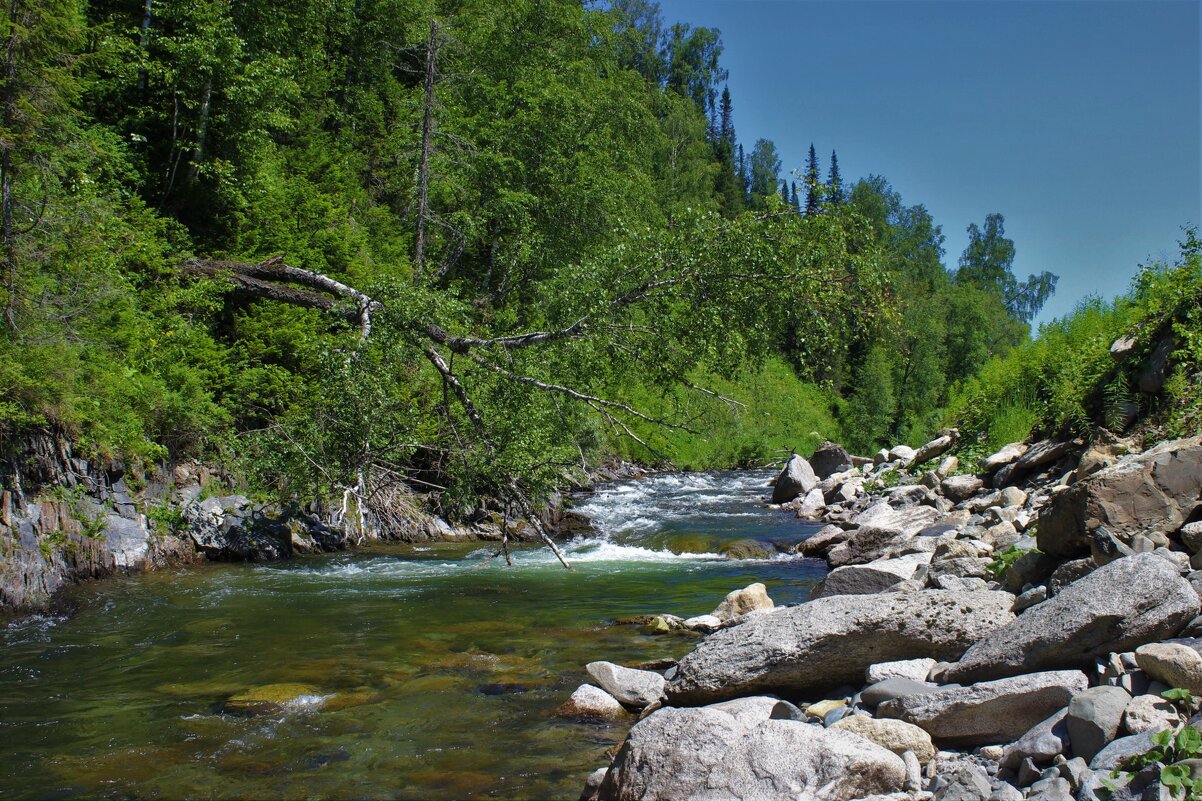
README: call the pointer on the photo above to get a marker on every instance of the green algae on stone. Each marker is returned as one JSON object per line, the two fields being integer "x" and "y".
{"x": 271, "y": 698}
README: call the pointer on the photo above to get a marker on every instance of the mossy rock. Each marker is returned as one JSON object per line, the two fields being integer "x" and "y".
{"x": 748, "y": 549}
{"x": 269, "y": 698}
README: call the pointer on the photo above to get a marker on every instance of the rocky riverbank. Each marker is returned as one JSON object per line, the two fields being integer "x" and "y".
{"x": 65, "y": 519}
{"x": 1026, "y": 630}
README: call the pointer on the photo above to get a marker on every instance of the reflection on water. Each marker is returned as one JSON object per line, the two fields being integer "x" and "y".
{"x": 412, "y": 672}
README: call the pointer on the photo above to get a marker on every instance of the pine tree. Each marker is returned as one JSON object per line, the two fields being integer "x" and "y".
{"x": 813, "y": 204}
{"x": 744, "y": 178}
{"x": 834, "y": 183}
{"x": 726, "y": 120}
{"x": 784, "y": 191}
{"x": 793, "y": 201}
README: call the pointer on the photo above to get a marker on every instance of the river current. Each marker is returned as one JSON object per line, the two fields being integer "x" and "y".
{"x": 430, "y": 671}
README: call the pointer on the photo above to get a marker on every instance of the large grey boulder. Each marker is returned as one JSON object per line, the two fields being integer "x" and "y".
{"x": 1003, "y": 457}
{"x": 832, "y": 641}
{"x": 591, "y": 703}
{"x": 1115, "y": 608}
{"x": 1094, "y": 717}
{"x": 637, "y": 688}
{"x": 707, "y": 754}
{"x": 871, "y": 577}
{"x": 1157, "y": 489}
{"x": 830, "y": 459}
{"x": 989, "y": 712}
{"x": 752, "y": 598}
{"x": 896, "y": 735}
{"x": 960, "y": 488}
{"x": 796, "y": 479}
{"x": 936, "y": 447}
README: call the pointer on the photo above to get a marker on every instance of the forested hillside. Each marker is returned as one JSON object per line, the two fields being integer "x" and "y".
{"x": 347, "y": 246}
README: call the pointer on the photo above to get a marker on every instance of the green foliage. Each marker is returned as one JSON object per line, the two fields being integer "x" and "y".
{"x": 1170, "y": 749}
{"x": 1066, "y": 380}
{"x": 1002, "y": 561}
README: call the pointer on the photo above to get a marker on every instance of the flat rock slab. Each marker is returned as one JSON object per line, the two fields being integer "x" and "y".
{"x": 871, "y": 577}
{"x": 989, "y": 712}
{"x": 707, "y": 754}
{"x": 1116, "y": 608}
{"x": 832, "y": 641}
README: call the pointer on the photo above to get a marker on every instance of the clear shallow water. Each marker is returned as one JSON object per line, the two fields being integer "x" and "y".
{"x": 433, "y": 672}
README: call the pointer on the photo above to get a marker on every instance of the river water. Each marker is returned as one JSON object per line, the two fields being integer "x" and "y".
{"x": 431, "y": 671}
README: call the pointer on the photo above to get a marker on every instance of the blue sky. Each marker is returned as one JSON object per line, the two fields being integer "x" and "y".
{"x": 1079, "y": 120}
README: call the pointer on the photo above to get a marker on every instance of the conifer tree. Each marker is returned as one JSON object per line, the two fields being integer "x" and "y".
{"x": 793, "y": 201}
{"x": 744, "y": 178}
{"x": 834, "y": 183}
{"x": 784, "y": 191}
{"x": 813, "y": 204}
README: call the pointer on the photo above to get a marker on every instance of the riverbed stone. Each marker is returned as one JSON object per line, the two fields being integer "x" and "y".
{"x": 887, "y": 690}
{"x": 1115, "y": 608}
{"x": 703, "y": 753}
{"x": 829, "y": 459}
{"x": 817, "y": 545}
{"x": 871, "y": 577}
{"x": 1118, "y": 752}
{"x": 636, "y": 688}
{"x": 748, "y": 549}
{"x": 1157, "y": 489}
{"x": 591, "y": 703}
{"x": 1004, "y": 456}
{"x": 752, "y": 598}
{"x": 896, "y": 735}
{"x": 271, "y": 699}
{"x": 832, "y": 641}
{"x": 988, "y": 712}
{"x": 1149, "y": 713}
{"x": 878, "y": 529}
{"x": 913, "y": 669}
{"x": 797, "y": 478}
{"x": 1094, "y": 718}
{"x": 1172, "y": 664}
{"x": 960, "y": 488}
{"x": 933, "y": 449}
{"x": 704, "y": 623}
{"x": 1041, "y": 743}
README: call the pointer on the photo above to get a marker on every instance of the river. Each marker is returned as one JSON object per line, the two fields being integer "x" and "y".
{"x": 433, "y": 671}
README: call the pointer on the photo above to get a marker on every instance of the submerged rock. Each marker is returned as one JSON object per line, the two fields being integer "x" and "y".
{"x": 271, "y": 699}
{"x": 832, "y": 641}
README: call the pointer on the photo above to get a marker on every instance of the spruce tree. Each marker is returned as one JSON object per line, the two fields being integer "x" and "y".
{"x": 834, "y": 183}
{"x": 793, "y": 201}
{"x": 813, "y": 204}
{"x": 784, "y": 191}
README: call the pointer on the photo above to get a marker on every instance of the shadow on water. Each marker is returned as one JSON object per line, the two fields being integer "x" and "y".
{"x": 406, "y": 672}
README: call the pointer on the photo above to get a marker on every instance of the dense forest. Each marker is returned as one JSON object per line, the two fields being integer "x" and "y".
{"x": 350, "y": 245}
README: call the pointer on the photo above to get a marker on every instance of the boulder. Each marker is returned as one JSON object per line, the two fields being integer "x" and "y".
{"x": 988, "y": 712}
{"x": 960, "y": 488}
{"x": 1157, "y": 489}
{"x": 756, "y": 709}
{"x": 882, "y": 529}
{"x": 947, "y": 466}
{"x": 819, "y": 543}
{"x": 896, "y": 735}
{"x": 1172, "y": 664}
{"x": 966, "y": 783}
{"x": 272, "y": 699}
{"x": 753, "y": 597}
{"x": 901, "y": 453}
{"x": 1115, "y": 608}
{"x": 832, "y": 641}
{"x": 636, "y": 688}
{"x": 830, "y": 459}
{"x": 1149, "y": 713}
{"x": 1094, "y": 717}
{"x": 877, "y": 694}
{"x": 1041, "y": 743}
{"x": 934, "y": 448}
{"x": 708, "y": 754}
{"x": 1118, "y": 752}
{"x": 1003, "y": 457}
{"x": 871, "y": 577}
{"x": 913, "y": 669}
{"x": 796, "y": 479}
{"x": 591, "y": 703}
{"x": 748, "y": 549}
{"x": 704, "y": 623}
